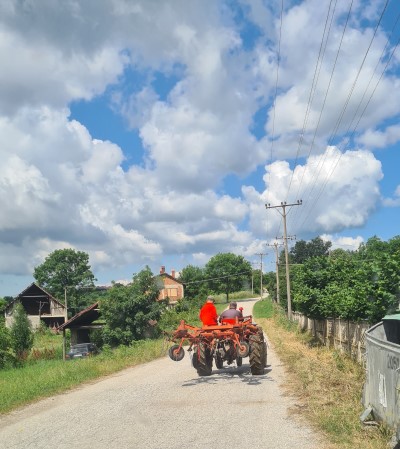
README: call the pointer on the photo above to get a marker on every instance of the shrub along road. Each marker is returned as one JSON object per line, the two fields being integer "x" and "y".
{"x": 164, "y": 404}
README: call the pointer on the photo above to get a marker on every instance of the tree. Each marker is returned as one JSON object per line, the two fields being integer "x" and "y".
{"x": 129, "y": 311}
{"x": 21, "y": 332}
{"x": 6, "y": 356}
{"x": 350, "y": 285}
{"x": 194, "y": 284}
{"x": 303, "y": 250}
{"x": 66, "y": 271}
{"x": 227, "y": 273}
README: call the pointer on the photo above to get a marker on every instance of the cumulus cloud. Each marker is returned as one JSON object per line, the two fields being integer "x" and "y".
{"x": 71, "y": 189}
{"x": 338, "y": 190}
{"x": 342, "y": 242}
{"x": 395, "y": 200}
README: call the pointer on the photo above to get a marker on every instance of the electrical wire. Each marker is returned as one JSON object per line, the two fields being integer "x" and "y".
{"x": 323, "y": 105}
{"x": 341, "y": 115}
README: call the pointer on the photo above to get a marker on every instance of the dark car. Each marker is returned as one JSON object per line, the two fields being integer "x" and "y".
{"x": 82, "y": 350}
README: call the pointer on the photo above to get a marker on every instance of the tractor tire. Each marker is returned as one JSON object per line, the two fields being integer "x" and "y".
{"x": 219, "y": 362}
{"x": 265, "y": 352}
{"x": 239, "y": 361}
{"x": 257, "y": 356}
{"x": 176, "y": 353}
{"x": 195, "y": 362}
{"x": 204, "y": 360}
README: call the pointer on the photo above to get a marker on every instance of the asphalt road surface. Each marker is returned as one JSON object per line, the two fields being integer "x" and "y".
{"x": 165, "y": 405}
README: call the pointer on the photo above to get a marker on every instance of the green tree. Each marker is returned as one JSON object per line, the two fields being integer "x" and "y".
{"x": 303, "y": 250}
{"x": 66, "y": 271}
{"x": 228, "y": 272}
{"x": 194, "y": 284}
{"x": 6, "y": 357}
{"x": 21, "y": 332}
{"x": 351, "y": 285}
{"x": 130, "y": 311}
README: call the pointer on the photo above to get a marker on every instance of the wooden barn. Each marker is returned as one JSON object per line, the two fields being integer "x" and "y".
{"x": 40, "y": 306}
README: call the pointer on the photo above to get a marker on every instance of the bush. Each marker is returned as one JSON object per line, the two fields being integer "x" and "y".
{"x": 21, "y": 333}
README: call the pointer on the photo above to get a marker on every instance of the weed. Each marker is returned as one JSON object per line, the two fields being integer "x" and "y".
{"x": 328, "y": 386}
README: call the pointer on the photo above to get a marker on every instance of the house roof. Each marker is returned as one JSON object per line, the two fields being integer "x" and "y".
{"x": 33, "y": 291}
{"x": 82, "y": 318}
{"x": 170, "y": 277}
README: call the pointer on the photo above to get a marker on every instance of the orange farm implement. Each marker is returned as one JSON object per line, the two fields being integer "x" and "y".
{"x": 221, "y": 343}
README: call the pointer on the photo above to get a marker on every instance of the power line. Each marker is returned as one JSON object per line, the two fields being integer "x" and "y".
{"x": 314, "y": 83}
{"x": 341, "y": 115}
{"x": 324, "y": 103}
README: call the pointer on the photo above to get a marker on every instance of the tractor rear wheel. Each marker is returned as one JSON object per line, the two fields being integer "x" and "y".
{"x": 204, "y": 360}
{"x": 219, "y": 362}
{"x": 257, "y": 354}
{"x": 265, "y": 354}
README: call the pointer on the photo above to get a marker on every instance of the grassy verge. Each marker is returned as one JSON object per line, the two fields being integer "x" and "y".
{"x": 48, "y": 377}
{"x": 327, "y": 384}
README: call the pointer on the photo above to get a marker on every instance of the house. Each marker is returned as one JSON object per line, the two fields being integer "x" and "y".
{"x": 40, "y": 306}
{"x": 81, "y": 324}
{"x": 170, "y": 287}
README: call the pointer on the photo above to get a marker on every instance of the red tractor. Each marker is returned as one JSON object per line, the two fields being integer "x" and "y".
{"x": 224, "y": 343}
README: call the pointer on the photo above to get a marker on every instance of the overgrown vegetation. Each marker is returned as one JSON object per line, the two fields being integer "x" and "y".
{"x": 131, "y": 312}
{"x": 353, "y": 285}
{"x": 327, "y": 384}
{"x": 21, "y": 386}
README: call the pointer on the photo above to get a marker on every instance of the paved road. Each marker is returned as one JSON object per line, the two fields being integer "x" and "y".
{"x": 165, "y": 405}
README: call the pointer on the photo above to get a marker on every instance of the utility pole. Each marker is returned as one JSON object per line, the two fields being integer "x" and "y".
{"x": 283, "y": 206}
{"x": 261, "y": 272}
{"x": 275, "y": 245}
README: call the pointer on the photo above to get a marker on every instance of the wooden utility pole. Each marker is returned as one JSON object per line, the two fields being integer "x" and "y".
{"x": 261, "y": 272}
{"x": 275, "y": 245}
{"x": 283, "y": 206}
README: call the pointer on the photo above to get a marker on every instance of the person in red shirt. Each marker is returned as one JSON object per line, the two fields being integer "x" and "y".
{"x": 208, "y": 313}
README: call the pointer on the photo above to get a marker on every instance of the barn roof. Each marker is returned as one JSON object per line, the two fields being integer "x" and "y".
{"x": 83, "y": 318}
{"x": 34, "y": 291}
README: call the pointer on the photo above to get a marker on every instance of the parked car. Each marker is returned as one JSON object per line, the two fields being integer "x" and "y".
{"x": 82, "y": 350}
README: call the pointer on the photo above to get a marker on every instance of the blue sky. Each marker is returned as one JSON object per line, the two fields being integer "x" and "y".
{"x": 153, "y": 133}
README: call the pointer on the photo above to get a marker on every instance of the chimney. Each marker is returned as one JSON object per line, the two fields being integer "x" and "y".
{"x": 173, "y": 273}
{"x": 162, "y": 269}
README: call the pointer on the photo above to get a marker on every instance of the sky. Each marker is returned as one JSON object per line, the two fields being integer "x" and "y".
{"x": 148, "y": 132}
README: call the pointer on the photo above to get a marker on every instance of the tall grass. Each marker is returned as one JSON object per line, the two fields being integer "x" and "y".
{"x": 47, "y": 377}
{"x": 328, "y": 384}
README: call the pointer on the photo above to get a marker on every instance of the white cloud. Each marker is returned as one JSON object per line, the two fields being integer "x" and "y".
{"x": 339, "y": 190}
{"x": 395, "y": 201}
{"x": 345, "y": 243}
{"x": 380, "y": 139}
{"x": 70, "y": 189}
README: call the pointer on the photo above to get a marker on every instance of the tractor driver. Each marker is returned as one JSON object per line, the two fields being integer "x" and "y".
{"x": 208, "y": 313}
{"x": 228, "y": 316}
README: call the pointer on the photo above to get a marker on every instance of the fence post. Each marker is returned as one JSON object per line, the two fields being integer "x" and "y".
{"x": 348, "y": 337}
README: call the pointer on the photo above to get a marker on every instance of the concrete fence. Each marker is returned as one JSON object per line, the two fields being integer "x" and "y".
{"x": 343, "y": 335}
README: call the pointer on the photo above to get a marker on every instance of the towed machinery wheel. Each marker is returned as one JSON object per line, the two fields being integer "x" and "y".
{"x": 257, "y": 356}
{"x": 239, "y": 361}
{"x": 203, "y": 362}
{"x": 176, "y": 353}
{"x": 243, "y": 349}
